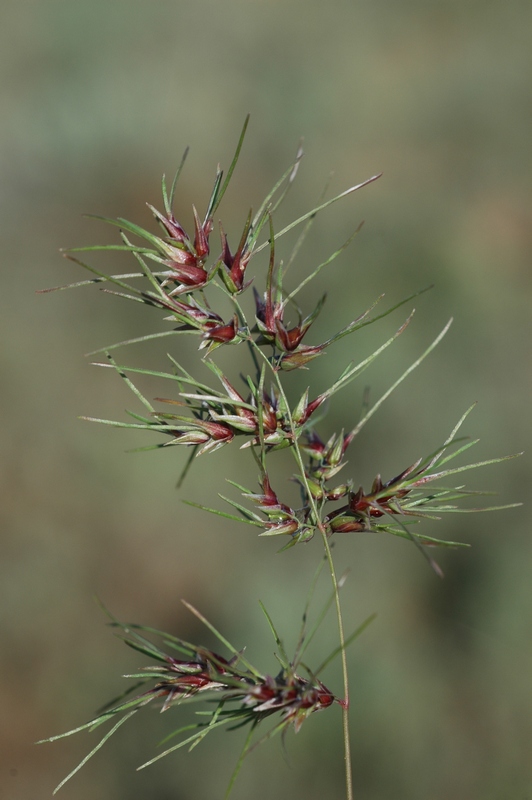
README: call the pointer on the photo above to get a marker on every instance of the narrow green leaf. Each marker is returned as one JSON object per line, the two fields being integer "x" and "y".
{"x": 147, "y": 650}
{"x": 169, "y": 201}
{"x": 146, "y": 270}
{"x": 221, "y": 638}
{"x": 116, "y": 424}
{"x": 317, "y": 624}
{"x": 246, "y": 512}
{"x": 95, "y": 750}
{"x": 218, "y": 400}
{"x": 130, "y": 384}
{"x": 306, "y": 228}
{"x": 194, "y": 726}
{"x": 337, "y": 650}
{"x": 214, "y": 194}
{"x": 86, "y": 726}
{"x": 432, "y": 460}
{"x": 441, "y": 461}
{"x": 240, "y": 761}
{"x": 306, "y": 609}
{"x": 104, "y": 278}
{"x": 239, "y": 486}
{"x": 319, "y": 208}
{"x": 246, "y": 520}
{"x": 181, "y": 744}
{"x": 152, "y": 373}
{"x": 231, "y": 169}
{"x": 350, "y": 372}
{"x": 125, "y": 248}
{"x": 208, "y": 728}
{"x": 186, "y": 468}
{"x": 285, "y": 662}
{"x": 124, "y": 224}
{"x": 450, "y": 509}
{"x": 139, "y": 339}
{"x": 102, "y": 275}
{"x": 394, "y": 386}
{"x": 185, "y": 377}
{"x": 443, "y": 474}
{"x": 266, "y": 206}
{"x": 319, "y": 268}
{"x": 133, "y": 688}
{"x": 139, "y": 297}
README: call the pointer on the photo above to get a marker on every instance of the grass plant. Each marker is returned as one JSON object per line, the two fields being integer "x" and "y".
{"x": 177, "y": 276}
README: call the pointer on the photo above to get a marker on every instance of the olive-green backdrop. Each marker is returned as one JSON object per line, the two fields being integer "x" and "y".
{"x": 98, "y": 99}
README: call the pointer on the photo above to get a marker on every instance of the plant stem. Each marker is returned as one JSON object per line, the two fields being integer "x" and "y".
{"x": 255, "y": 349}
{"x": 345, "y": 708}
{"x": 240, "y": 761}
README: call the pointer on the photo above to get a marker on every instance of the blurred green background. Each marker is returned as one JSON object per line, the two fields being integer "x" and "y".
{"x": 98, "y": 100}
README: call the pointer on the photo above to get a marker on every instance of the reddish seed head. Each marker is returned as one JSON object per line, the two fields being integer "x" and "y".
{"x": 201, "y": 240}
{"x": 234, "y": 266}
{"x": 222, "y": 333}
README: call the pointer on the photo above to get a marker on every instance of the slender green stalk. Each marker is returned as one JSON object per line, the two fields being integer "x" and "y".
{"x": 240, "y": 761}
{"x": 345, "y": 707}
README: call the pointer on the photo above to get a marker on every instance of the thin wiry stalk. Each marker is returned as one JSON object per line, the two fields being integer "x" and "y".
{"x": 345, "y": 707}
{"x": 240, "y": 761}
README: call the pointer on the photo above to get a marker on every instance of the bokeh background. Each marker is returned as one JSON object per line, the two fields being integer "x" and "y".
{"x": 98, "y": 100}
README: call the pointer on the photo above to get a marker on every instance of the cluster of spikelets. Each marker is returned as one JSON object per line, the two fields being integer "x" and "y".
{"x": 207, "y": 419}
{"x": 238, "y": 694}
{"x": 178, "y": 275}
